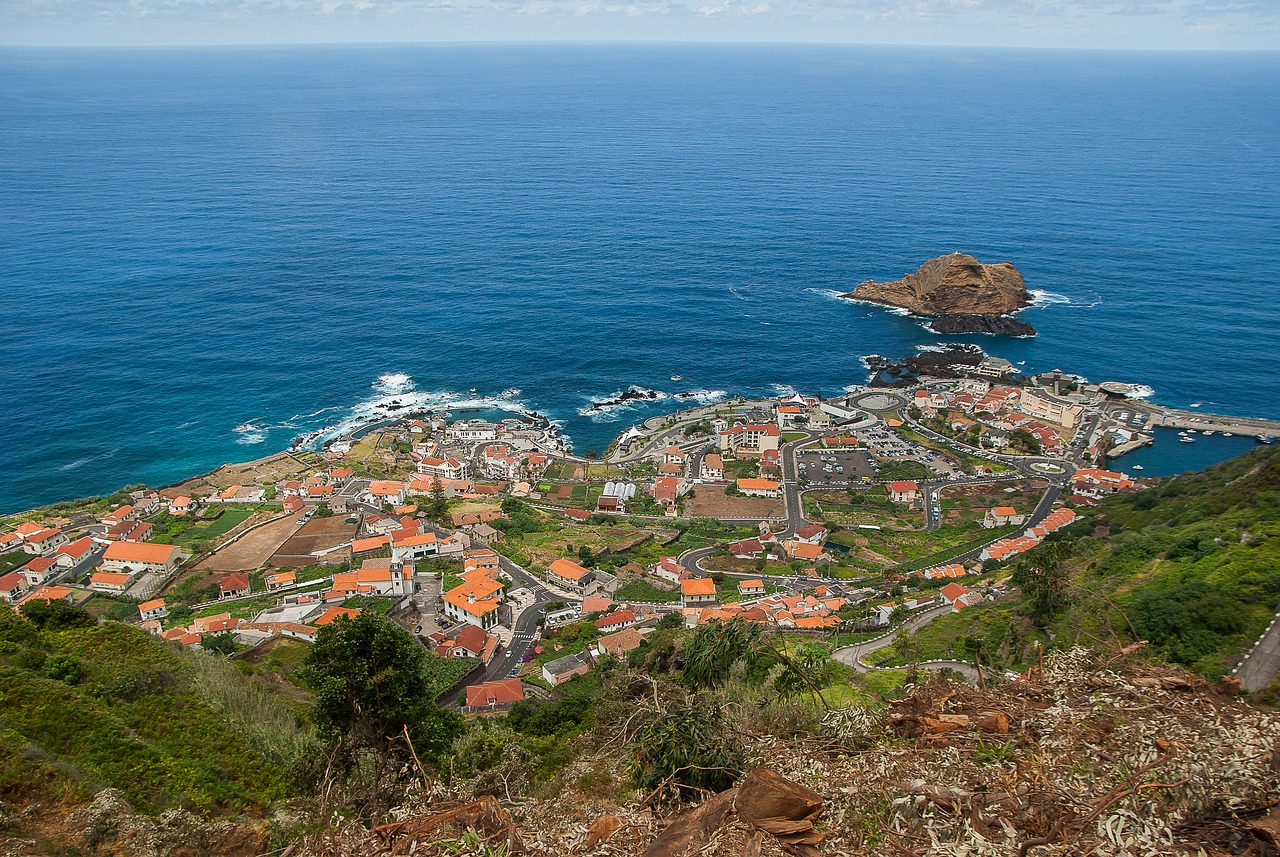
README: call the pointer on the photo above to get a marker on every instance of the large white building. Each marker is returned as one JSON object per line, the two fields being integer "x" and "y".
{"x": 1044, "y": 407}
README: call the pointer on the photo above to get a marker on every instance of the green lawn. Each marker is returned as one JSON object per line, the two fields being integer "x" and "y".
{"x": 11, "y": 560}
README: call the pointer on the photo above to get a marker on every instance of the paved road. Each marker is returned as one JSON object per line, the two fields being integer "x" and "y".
{"x": 853, "y": 655}
{"x": 1261, "y": 665}
{"x": 525, "y": 626}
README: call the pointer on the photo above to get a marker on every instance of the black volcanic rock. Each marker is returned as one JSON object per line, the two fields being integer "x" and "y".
{"x": 1001, "y": 325}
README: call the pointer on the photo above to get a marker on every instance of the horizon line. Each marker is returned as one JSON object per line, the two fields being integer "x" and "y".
{"x": 638, "y": 42}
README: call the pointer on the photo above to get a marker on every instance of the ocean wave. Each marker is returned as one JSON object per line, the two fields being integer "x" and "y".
{"x": 1041, "y": 298}
{"x": 833, "y": 294}
{"x": 934, "y": 348}
{"x": 395, "y": 396}
{"x": 1140, "y": 391}
{"x": 605, "y": 408}
{"x": 892, "y": 310}
{"x": 393, "y": 383}
{"x": 704, "y": 397}
{"x": 783, "y": 389}
{"x": 81, "y": 462}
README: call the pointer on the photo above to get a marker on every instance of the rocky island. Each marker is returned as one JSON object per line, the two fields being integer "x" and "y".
{"x": 960, "y": 294}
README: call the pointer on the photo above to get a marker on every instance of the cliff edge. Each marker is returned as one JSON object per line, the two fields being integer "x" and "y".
{"x": 956, "y": 284}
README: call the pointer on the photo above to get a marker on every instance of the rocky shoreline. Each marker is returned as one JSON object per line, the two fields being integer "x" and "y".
{"x": 998, "y": 325}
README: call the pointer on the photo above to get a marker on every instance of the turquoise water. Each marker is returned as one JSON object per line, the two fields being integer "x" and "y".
{"x": 1169, "y": 457}
{"x": 206, "y": 253}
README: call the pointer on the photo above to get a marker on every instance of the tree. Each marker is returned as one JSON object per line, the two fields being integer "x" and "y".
{"x": 438, "y": 506}
{"x": 372, "y": 681}
{"x": 57, "y": 615}
{"x": 221, "y": 644}
{"x": 685, "y": 749}
{"x": 1043, "y": 580}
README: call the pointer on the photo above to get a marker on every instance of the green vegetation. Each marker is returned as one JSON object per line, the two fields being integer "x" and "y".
{"x": 1193, "y": 566}
{"x": 374, "y": 683}
{"x": 83, "y": 706}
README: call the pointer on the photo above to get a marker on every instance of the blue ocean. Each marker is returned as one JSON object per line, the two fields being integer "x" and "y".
{"x": 205, "y": 253}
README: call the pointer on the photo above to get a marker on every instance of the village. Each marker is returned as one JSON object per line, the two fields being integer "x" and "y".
{"x": 839, "y": 518}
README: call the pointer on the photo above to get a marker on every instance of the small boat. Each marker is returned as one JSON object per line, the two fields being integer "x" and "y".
{"x": 1138, "y": 467}
{"x": 1186, "y": 439}
{"x": 1207, "y": 432}
{"x": 1266, "y": 438}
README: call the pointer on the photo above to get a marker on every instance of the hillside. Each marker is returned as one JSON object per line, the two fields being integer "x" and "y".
{"x": 86, "y": 707}
{"x": 1192, "y": 566}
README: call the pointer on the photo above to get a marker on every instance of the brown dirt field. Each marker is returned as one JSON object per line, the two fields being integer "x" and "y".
{"x": 710, "y": 501}
{"x": 316, "y": 534}
{"x": 253, "y": 550}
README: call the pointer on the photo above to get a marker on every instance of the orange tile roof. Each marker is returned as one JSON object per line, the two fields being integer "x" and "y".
{"x": 758, "y": 484}
{"x": 108, "y": 578}
{"x": 698, "y": 586}
{"x": 153, "y": 604}
{"x": 567, "y": 569}
{"x": 143, "y": 552}
{"x": 333, "y": 614}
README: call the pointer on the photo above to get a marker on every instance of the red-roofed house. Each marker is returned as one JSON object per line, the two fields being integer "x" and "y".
{"x": 234, "y": 585}
{"x": 750, "y": 588}
{"x": 903, "y": 491}
{"x": 615, "y": 621}
{"x": 12, "y": 585}
{"x": 153, "y": 609}
{"x": 494, "y": 695}
{"x": 567, "y": 573}
{"x": 38, "y": 570}
{"x": 333, "y": 614}
{"x": 697, "y": 591}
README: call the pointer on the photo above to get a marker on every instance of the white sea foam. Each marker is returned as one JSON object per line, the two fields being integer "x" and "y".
{"x": 704, "y": 397}
{"x": 783, "y": 389}
{"x": 1139, "y": 391}
{"x": 81, "y": 462}
{"x": 833, "y": 294}
{"x": 935, "y": 348}
{"x": 393, "y": 382}
{"x": 892, "y": 310}
{"x": 1196, "y": 405}
{"x": 395, "y": 395}
{"x": 604, "y": 409}
{"x": 737, "y": 294}
{"x": 250, "y": 433}
{"x": 1041, "y": 298}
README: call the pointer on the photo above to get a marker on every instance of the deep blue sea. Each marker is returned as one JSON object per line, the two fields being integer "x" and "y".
{"x": 207, "y": 252}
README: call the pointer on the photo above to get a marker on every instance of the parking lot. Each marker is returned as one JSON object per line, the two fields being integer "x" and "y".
{"x": 887, "y": 445}
{"x": 828, "y": 465}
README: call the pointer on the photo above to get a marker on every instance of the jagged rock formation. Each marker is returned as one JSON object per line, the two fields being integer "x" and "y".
{"x": 1000, "y": 325}
{"x": 957, "y": 284}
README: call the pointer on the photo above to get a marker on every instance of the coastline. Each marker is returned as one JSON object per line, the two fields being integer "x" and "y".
{"x": 1163, "y": 417}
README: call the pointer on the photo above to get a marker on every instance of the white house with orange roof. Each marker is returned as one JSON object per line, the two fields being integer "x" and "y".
{"x": 567, "y": 573}
{"x": 669, "y": 569}
{"x": 754, "y": 487}
{"x": 712, "y": 467}
{"x": 111, "y": 581}
{"x": 673, "y": 455}
{"x": 281, "y": 580}
{"x": 12, "y": 587}
{"x": 477, "y": 600}
{"x": 1002, "y": 516}
{"x": 153, "y": 609}
{"x": 140, "y": 556}
{"x": 903, "y": 491}
{"x": 382, "y": 491}
{"x": 697, "y": 592}
{"x": 407, "y": 546}
{"x": 750, "y": 588}
{"x": 39, "y": 570}
{"x": 44, "y": 541}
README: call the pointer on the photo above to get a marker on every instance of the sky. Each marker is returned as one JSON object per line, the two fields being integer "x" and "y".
{"x": 1105, "y": 24}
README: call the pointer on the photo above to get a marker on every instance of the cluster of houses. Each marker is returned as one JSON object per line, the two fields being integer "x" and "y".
{"x": 1091, "y": 483}
{"x": 1001, "y": 409}
{"x": 1006, "y": 549}
{"x": 807, "y": 544}
{"x": 479, "y": 598}
{"x": 957, "y": 596}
